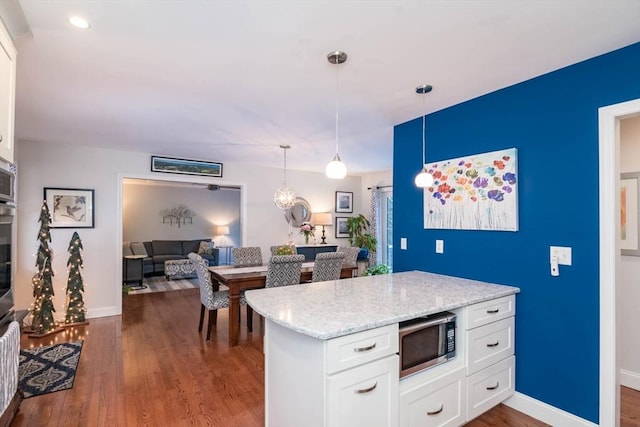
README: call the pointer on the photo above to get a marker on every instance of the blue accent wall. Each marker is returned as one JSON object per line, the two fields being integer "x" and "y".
{"x": 553, "y": 122}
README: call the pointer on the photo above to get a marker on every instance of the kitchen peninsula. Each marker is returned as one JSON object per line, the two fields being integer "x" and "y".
{"x": 331, "y": 351}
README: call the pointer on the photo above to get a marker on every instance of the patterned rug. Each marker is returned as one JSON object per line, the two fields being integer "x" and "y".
{"x": 160, "y": 284}
{"x": 47, "y": 369}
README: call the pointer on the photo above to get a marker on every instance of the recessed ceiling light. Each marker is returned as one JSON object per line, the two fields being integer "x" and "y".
{"x": 79, "y": 22}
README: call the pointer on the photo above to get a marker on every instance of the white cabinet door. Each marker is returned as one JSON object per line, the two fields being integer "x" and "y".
{"x": 364, "y": 396}
{"x": 491, "y": 386}
{"x": 7, "y": 94}
{"x": 439, "y": 402}
{"x": 489, "y": 344}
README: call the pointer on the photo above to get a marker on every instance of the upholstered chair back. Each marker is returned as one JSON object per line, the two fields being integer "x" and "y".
{"x": 247, "y": 256}
{"x": 350, "y": 254}
{"x": 211, "y": 299}
{"x": 327, "y": 266}
{"x": 284, "y": 270}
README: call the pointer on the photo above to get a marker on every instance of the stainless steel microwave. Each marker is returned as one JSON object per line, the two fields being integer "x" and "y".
{"x": 426, "y": 342}
{"x": 7, "y": 183}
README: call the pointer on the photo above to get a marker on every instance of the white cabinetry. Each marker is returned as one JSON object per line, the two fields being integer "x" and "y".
{"x": 7, "y": 93}
{"x": 489, "y": 333}
{"x": 345, "y": 381}
{"x": 480, "y": 376}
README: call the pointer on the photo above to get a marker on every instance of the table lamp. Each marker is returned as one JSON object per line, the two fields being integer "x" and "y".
{"x": 222, "y": 230}
{"x": 322, "y": 218}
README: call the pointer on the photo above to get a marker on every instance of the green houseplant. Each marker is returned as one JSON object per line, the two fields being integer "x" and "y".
{"x": 358, "y": 236}
{"x": 376, "y": 269}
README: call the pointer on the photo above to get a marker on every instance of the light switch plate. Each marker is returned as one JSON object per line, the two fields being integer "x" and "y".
{"x": 439, "y": 246}
{"x": 561, "y": 253}
{"x": 403, "y": 243}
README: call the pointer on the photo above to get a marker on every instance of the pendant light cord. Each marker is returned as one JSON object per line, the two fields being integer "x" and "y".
{"x": 424, "y": 149}
{"x": 337, "y": 101}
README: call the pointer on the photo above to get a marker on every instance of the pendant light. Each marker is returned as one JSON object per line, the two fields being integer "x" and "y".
{"x": 336, "y": 169}
{"x": 424, "y": 178}
{"x": 284, "y": 197}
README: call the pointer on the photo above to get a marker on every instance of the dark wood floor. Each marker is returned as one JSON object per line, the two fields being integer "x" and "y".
{"x": 150, "y": 367}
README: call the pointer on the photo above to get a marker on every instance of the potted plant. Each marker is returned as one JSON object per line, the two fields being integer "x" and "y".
{"x": 359, "y": 237}
{"x": 376, "y": 269}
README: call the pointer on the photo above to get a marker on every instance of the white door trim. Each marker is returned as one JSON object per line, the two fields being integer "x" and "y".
{"x": 609, "y": 209}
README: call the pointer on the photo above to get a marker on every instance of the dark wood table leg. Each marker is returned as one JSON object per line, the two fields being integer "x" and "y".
{"x": 234, "y": 312}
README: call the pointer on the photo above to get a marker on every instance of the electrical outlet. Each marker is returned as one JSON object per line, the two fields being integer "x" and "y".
{"x": 439, "y": 246}
{"x": 560, "y": 253}
{"x": 403, "y": 243}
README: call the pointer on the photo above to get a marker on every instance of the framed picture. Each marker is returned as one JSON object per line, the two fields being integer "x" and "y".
{"x": 186, "y": 166}
{"x": 474, "y": 192}
{"x": 341, "y": 227}
{"x": 629, "y": 214}
{"x": 70, "y": 207}
{"x": 344, "y": 202}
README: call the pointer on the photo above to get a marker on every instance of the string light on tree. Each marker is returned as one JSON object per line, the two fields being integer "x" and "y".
{"x": 75, "y": 309}
{"x": 43, "y": 322}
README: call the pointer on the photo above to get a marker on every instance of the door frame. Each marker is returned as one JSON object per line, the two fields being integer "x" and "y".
{"x": 609, "y": 209}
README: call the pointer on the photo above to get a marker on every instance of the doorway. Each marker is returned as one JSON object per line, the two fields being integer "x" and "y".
{"x": 609, "y": 208}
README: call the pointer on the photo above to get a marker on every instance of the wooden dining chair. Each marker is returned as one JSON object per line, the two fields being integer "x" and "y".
{"x": 284, "y": 270}
{"x": 248, "y": 256}
{"x": 211, "y": 298}
{"x": 327, "y": 266}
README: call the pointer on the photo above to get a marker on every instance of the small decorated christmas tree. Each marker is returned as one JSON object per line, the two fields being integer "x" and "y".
{"x": 43, "y": 322}
{"x": 75, "y": 285}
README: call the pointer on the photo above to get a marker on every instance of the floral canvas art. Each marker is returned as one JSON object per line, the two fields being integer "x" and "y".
{"x": 476, "y": 192}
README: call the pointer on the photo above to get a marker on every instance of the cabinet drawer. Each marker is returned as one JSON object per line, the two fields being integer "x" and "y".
{"x": 439, "y": 402}
{"x": 490, "y": 344}
{"x": 490, "y": 311}
{"x": 362, "y": 347}
{"x": 489, "y": 387}
{"x": 364, "y": 396}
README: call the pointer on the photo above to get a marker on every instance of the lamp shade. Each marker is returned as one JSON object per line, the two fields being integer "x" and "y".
{"x": 322, "y": 218}
{"x": 222, "y": 230}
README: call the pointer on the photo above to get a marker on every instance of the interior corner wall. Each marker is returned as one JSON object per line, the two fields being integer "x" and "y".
{"x": 74, "y": 166}
{"x": 553, "y": 122}
{"x": 628, "y": 287}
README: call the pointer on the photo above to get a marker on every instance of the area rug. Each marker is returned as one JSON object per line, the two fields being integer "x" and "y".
{"x": 47, "y": 369}
{"x": 160, "y": 284}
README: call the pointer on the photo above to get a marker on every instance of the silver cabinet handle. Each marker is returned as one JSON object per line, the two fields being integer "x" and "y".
{"x": 495, "y": 344}
{"x": 493, "y": 311}
{"x": 436, "y": 412}
{"x": 366, "y": 390}
{"x": 361, "y": 349}
{"x": 495, "y": 386}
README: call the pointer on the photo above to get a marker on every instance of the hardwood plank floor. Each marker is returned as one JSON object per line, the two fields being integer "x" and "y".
{"x": 151, "y": 367}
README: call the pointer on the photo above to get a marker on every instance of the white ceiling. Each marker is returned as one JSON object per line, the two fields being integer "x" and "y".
{"x": 232, "y": 80}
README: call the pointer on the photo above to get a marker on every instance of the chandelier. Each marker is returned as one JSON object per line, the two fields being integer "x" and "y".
{"x": 284, "y": 197}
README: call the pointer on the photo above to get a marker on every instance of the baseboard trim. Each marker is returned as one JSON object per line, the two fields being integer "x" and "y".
{"x": 630, "y": 379}
{"x": 102, "y": 312}
{"x": 545, "y": 412}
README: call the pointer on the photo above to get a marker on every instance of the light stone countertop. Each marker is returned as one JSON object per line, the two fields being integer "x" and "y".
{"x": 331, "y": 309}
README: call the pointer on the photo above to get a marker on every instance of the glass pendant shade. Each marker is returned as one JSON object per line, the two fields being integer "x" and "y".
{"x": 424, "y": 179}
{"x": 284, "y": 197}
{"x": 336, "y": 169}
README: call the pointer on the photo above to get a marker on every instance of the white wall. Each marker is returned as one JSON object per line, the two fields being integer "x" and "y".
{"x": 55, "y": 165}
{"x": 142, "y": 203}
{"x": 629, "y": 284}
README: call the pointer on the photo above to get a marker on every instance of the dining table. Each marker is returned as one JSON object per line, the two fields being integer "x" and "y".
{"x": 238, "y": 279}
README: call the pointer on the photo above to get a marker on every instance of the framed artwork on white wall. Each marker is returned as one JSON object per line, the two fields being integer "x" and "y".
{"x": 629, "y": 214}
{"x": 70, "y": 207}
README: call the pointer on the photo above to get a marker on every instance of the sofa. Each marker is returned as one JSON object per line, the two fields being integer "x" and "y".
{"x": 156, "y": 252}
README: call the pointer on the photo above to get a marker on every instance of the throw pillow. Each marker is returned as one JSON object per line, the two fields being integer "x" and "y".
{"x": 206, "y": 248}
{"x": 126, "y": 249}
{"x": 138, "y": 248}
